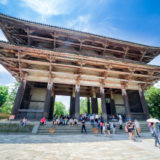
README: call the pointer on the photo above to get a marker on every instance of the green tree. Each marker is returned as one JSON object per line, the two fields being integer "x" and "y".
{"x": 3, "y": 94}
{"x": 83, "y": 105}
{"x": 152, "y": 96}
{"x": 60, "y": 109}
{"x": 7, "y": 106}
{"x": 99, "y": 106}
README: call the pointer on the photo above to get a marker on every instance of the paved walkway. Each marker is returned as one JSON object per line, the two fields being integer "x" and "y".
{"x": 77, "y": 147}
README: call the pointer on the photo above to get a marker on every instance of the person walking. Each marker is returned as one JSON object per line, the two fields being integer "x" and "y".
{"x": 83, "y": 126}
{"x": 108, "y": 128}
{"x": 101, "y": 126}
{"x": 137, "y": 127}
{"x": 130, "y": 128}
{"x": 156, "y": 134}
{"x": 92, "y": 120}
{"x": 113, "y": 127}
{"x": 104, "y": 129}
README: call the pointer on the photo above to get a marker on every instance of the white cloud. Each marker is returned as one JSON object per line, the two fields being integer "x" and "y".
{"x": 49, "y": 7}
{"x": 4, "y": 2}
{"x": 81, "y": 23}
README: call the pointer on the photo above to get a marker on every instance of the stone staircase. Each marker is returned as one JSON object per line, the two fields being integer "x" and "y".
{"x": 49, "y": 129}
{"x": 63, "y": 130}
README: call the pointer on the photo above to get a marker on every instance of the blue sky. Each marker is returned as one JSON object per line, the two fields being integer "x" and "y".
{"x": 132, "y": 20}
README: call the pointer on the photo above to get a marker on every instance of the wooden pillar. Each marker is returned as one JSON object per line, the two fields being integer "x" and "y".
{"x": 126, "y": 103}
{"x": 112, "y": 104}
{"x": 72, "y": 104}
{"x": 51, "y": 110}
{"x": 103, "y": 102}
{"x": 77, "y": 101}
{"x": 19, "y": 97}
{"x": 94, "y": 102}
{"x": 143, "y": 102}
{"x": 48, "y": 100}
{"x": 88, "y": 105}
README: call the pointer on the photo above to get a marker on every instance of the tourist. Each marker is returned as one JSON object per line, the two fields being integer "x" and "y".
{"x": 54, "y": 121}
{"x": 120, "y": 123}
{"x": 83, "y": 126}
{"x": 24, "y": 122}
{"x": 113, "y": 127}
{"x": 101, "y": 126}
{"x": 98, "y": 125}
{"x": 96, "y": 118}
{"x": 92, "y": 120}
{"x": 75, "y": 121}
{"x": 119, "y": 116}
{"x": 43, "y": 121}
{"x": 137, "y": 127}
{"x": 130, "y": 128}
{"x": 71, "y": 122}
{"x": 104, "y": 129}
{"x": 156, "y": 134}
{"x": 108, "y": 128}
{"x": 150, "y": 125}
{"x": 57, "y": 121}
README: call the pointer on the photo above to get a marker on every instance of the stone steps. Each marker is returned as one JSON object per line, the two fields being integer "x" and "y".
{"x": 72, "y": 130}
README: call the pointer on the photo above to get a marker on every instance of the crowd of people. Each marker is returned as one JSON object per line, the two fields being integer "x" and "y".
{"x": 131, "y": 127}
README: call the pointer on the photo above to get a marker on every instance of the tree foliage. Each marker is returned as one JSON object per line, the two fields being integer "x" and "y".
{"x": 3, "y": 94}
{"x": 152, "y": 96}
{"x": 60, "y": 109}
{"x": 83, "y": 105}
{"x": 7, "y": 106}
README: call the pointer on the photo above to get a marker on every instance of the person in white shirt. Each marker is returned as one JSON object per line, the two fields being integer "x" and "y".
{"x": 120, "y": 123}
{"x": 137, "y": 127}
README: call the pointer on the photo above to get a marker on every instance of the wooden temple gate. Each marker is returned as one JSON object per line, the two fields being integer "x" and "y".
{"x": 50, "y": 61}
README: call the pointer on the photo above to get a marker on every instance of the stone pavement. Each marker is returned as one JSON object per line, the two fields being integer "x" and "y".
{"x": 77, "y": 147}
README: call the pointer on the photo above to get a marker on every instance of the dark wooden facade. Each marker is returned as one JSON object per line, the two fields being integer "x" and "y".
{"x": 50, "y": 61}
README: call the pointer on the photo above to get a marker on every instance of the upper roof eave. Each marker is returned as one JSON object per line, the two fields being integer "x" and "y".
{"x": 76, "y": 32}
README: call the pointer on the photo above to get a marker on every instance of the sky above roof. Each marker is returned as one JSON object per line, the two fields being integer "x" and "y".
{"x": 133, "y": 20}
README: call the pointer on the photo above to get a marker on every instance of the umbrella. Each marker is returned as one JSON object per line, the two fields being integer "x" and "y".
{"x": 153, "y": 120}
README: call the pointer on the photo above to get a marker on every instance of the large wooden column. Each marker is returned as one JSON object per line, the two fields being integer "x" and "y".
{"x": 19, "y": 97}
{"x": 143, "y": 102}
{"x": 103, "y": 102}
{"x": 126, "y": 103}
{"x": 88, "y": 105}
{"x": 94, "y": 102}
{"x": 51, "y": 110}
{"x": 112, "y": 104}
{"x": 48, "y": 101}
{"x": 72, "y": 104}
{"x": 77, "y": 101}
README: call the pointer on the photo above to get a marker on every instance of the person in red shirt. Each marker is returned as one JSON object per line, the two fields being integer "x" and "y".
{"x": 101, "y": 126}
{"x": 43, "y": 121}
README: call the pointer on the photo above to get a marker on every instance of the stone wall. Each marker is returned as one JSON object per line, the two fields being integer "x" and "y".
{"x": 119, "y": 104}
{"x": 15, "y": 127}
{"x": 37, "y": 98}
